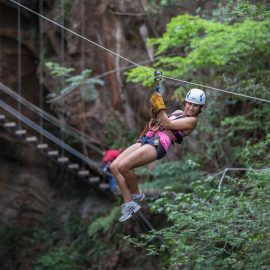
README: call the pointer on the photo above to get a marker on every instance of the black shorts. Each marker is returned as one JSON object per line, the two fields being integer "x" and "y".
{"x": 161, "y": 152}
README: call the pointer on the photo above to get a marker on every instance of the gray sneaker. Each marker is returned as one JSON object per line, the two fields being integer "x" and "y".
{"x": 128, "y": 209}
{"x": 138, "y": 197}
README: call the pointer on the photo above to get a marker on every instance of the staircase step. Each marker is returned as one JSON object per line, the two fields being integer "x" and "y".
{"x": 2, "y": 117}
{"x": 53, "y": 153}
{"x": 104, "y": 186}
{"x": 31, "y": 139}
{"x": 42, "y": 146}
{"x": 94, "y": 179}
{"x": 20, "y": 132}
{"x": 83, "y": 172}
{"x": 10, "y": 124}
{"x": 63, "y": 159}
{"x": 73, "y": 166}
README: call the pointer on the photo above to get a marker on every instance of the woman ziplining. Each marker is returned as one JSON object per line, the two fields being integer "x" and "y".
{"x": 155, "y": 144}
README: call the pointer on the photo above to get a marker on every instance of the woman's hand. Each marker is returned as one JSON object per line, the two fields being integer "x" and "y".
{"x": 157, "y": 102}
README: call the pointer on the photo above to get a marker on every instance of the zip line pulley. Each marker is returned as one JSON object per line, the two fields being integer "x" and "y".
{"x": 158, "y": 79}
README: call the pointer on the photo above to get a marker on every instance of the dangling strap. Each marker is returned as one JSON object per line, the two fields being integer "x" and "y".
{"x": 144, "y": 130}
{"x": 174, "y": 135}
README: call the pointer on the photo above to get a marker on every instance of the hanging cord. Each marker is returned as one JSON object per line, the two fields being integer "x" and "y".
{"x": 135, "y": 64}
{"x": 83, "y": 33}
{"x": 62, "y": 63}
{"x": 82, "y": 63}
{"x": 19, "y": 65}
{"x": 41, "y": 62}
{"x": 78, "y": 35}
{"x": 1, "y": 46}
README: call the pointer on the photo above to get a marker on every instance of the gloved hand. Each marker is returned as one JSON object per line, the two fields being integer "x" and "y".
{"x": 157, "y": 102}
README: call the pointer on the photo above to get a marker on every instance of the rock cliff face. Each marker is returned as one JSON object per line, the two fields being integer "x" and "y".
{"x": 105, "y": 22}
{"x": 120, "y": 26}
{"x": 25, "y": 192}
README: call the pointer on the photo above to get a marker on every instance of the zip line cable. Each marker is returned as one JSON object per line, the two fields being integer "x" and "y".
{"x": 135, "y": 64}
{"x": 218, "y": 89}
{"x": 78, "y": 35}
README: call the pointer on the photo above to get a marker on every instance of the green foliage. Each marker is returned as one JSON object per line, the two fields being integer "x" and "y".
{"x": 233, "y": 56}
{"x": 177, "y": 174}
{"x": 70, "y": 82}
{"x": 103, "y": 223}
{"x": 196, "y": 44}
{"x": 74, "y": 243}
{"x": 241, "y": 9}
{"x": 139, "y": 74}
{"x": 117, "y": 133}
{"x": 215, "y": 230}
{"x": 254, "y": 148}
{"x": 59, "y": 258}
{"x": 105, "y": 234}
{"x": 156, "y": 7}
{"x": 67, "y": 5}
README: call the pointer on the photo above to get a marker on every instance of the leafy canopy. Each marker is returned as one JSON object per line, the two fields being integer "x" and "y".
{"x": 191, "y": 45}
{"x": 214, "y": 230}
{"x": 71, "y": 82}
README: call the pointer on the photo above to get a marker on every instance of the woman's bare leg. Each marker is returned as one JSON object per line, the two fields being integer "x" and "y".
{"x": 122, "y": 168}
{"x": 144, "y": 155}
{"x": 121, "y": 182}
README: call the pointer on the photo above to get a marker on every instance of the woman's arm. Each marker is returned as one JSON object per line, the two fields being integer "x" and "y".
{"x": 187, "y": 123}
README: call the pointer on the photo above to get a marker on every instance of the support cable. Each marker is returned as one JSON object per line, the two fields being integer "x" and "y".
{"x": 82, "y": 64}
{"x": 69, "y": 129}
{"x": 19, "y": 57}
{"x": 62, "y": 62}
{"x": 92, "y": 164}
{"x": 1, "y": 63}
{"x": 41, "y": 63}
{"x": 83, "y": 33}
{"x": 135, "y": 64}
{"x": 146, "y": 221}
{"x": 78, "y": 35}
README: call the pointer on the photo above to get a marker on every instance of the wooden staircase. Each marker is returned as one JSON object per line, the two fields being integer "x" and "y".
{"x": 58, "y": 155}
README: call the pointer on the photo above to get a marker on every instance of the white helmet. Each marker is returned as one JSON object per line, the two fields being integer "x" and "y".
{"x": 196, "y": 96}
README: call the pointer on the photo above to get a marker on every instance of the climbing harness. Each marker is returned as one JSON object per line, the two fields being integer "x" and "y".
{"x": 174, "y": 135}
{"x": 155, "y": 124}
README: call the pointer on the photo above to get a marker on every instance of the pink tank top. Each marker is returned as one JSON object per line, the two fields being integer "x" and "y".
{"x": 164, "y": 139}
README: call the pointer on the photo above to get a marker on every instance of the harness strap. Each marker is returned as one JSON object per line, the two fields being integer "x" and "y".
{"x": 170, "y": 135}
{"x": 155, "y": 126}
